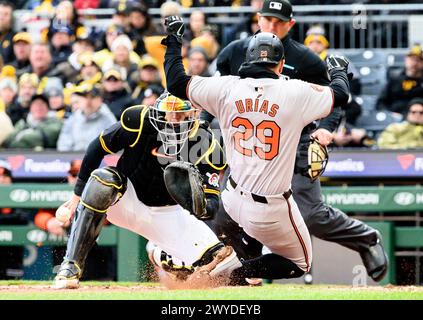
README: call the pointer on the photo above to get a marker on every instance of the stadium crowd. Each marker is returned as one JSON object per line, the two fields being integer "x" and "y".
{"x": 61, "y": 87}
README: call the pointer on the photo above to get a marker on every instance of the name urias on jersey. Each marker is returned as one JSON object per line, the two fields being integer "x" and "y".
{"x": 257, "y": 105}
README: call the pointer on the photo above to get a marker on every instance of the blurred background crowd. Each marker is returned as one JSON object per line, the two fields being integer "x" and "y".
{"x": 67, "y": 73}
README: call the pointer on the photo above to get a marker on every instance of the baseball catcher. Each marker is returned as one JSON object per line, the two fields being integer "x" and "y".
{"x": 133, "y": 194}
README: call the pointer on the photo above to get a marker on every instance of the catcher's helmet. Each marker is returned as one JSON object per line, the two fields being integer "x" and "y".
{"x": 265, "y": 48}
{"x": 174, "y": 119}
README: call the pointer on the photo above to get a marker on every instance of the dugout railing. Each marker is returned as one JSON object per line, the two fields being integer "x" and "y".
{"x": 380, "y": 207}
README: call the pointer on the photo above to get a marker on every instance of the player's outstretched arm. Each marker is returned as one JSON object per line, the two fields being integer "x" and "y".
{"x": 176, "y": 78}
{"x": 337, "y": 68}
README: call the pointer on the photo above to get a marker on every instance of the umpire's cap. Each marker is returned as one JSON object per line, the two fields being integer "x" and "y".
{"x": 265, "y": 48}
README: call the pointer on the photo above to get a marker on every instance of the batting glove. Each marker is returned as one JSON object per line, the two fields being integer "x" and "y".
{"x": 337, "y": 62}
{"x": 175, "y": 26}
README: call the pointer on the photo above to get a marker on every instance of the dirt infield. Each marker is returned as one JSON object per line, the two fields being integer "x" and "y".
{"x": 83, "y": 288}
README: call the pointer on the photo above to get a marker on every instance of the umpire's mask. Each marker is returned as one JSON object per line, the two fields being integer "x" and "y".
{"x": 174, "y": 119}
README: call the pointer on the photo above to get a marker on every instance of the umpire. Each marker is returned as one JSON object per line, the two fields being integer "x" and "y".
{"x": 323, "y": 221}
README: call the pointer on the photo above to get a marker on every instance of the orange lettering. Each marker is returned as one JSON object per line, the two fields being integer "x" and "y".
{"x": 264, "y": 106}
{"x": 273, "y": 110}
{"x": 256, "y": 104}
{"x": 240, "y": 106}
{"x": 249, "y": 105}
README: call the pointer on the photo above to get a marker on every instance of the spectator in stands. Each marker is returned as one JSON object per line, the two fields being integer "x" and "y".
{"x": 121, "y": 49}
{"x": 27, "y": 86}
{"x": 405, "y": 85}
{"x": 41, "y": 63}
{"x": 347, "y": 135}
{"x": 65, "y": 14}
{"x": 6, "y": 31}
{"x": 197, "y": 21}
{"x": 120, "y": 16}
{"x": 167, "y": 9}
{"x": 76, "y": 100}
{"x": 21, "y": 48}
{"x": 247, "y": 27}
{"x": 69, "y": 69}
{"x": 89, "y": 71}
{"x": 407, "y": 134}
{"x": 83, "y": 46}
{"x": 151, "y": 94}
{"x": 39, "y": 130}
{"x": 153, "y": 43}
{"x": 198, "y": 62}
{"x": 11, "y": 258}
{"x": 317, "y": 42}
{"x": 8, "y": 94}
{"x": 115, "y": 92}
{"x": 208, "y": 41}
{"x": 140, "y": 26}
{"x": 57, "y": 102}
{"x": 148, "y": 74}
{"x": 112, "y": 32}
{"x": 87, "y": 122}
{"x": 6, "y": 126}
{"x": 61, "y": 44}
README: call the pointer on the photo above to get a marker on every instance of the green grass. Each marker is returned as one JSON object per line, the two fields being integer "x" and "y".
{"x": 149, "y": 291}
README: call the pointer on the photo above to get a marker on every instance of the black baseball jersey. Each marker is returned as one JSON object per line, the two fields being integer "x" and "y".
{"x": 143, "y": 159}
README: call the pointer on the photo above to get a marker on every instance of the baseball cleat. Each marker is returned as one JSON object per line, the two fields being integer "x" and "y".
{"x": 224, "y": 262}
{"x": 255, "y": 282}
{"x": 164, "y": 265}
{"x": 375, "y": 260}
{"x": 68, "y": 276}
{"x": 227, "y": 261}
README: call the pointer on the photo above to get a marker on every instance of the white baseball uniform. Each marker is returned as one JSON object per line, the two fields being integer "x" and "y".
{"x": 261, "y": 122}
{"x": 173, "y": 228}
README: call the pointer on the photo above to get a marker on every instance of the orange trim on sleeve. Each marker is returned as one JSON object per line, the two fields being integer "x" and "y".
{"x": 41, "y": 219}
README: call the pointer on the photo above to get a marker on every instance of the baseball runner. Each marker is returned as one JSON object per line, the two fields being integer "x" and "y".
{"x": 133, "y": 195}
{"x": 261, "y": 116}
{"x": 322, "y": 220}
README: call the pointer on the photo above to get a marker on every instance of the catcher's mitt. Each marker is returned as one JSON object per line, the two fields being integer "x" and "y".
{"x": 185, "y": 185}
{"x": 317, "y": 159}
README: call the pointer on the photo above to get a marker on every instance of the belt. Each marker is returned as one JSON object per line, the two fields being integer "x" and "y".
{"x": 258, "y": 198}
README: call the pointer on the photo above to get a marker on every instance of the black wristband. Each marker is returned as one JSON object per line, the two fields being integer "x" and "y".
{"x": 79, "y": 187}
{"x": 171, "y": 40}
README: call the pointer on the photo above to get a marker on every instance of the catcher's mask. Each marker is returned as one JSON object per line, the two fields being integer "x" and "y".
{"x": 174, "y": 119}
{"x": 317, "y": 159}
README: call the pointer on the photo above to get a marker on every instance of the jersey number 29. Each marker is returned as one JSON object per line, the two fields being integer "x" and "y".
{"x": 271, "y": 140}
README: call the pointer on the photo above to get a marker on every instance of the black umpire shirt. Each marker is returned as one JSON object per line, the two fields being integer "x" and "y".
{"x": 143, "y": 159}
{"x": 300, "y": 63}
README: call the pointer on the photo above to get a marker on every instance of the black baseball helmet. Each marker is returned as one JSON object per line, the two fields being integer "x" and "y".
{"x": 265, "y": 48}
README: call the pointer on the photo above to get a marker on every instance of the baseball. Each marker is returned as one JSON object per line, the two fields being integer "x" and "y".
{"x": 63, "y": 214}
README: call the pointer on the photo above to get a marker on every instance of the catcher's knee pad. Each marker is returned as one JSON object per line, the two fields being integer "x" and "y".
{"x": 104, "y": 188}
